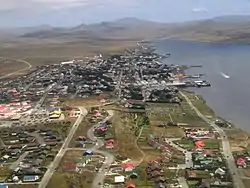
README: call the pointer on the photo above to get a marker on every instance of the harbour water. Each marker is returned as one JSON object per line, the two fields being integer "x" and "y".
{"x": 226, "y": 67}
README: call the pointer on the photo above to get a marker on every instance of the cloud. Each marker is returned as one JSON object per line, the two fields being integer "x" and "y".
{"x": 63, "y": 4}
{"x": 200, "y": 9}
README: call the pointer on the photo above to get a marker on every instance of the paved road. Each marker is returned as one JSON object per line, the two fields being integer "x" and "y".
{"x": 38, "y": 138}
{"x": 225, "y": 145}
{"x": 109, "y": 158}
{"x": 47, "y": 176}
{"x": 15, "y": 72}
{"x": 17, "y": 162}
{"x": 41, "y": 101}
{"x": 182, "y": 181}
{"x": 188, "y": 154}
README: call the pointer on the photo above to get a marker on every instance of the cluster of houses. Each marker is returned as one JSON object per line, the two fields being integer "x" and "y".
{"x": 27, "y": 152}
{"x": 209, "y": 170}
{"x": 199, "y": 134}
{"x": 11, "y": 110}
{"x": 168, "y": 151}
{"x": 96, "y": 114}
{"x": 101, "y": 130}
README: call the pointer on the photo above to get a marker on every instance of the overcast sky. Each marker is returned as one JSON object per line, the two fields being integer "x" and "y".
{"x": 73, "y": 12}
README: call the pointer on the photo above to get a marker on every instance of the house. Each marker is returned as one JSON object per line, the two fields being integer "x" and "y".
{"x": 109, "y": 144}
{"x": 220, "y": 171}
{"x": 75, "y": 113}
{"x": 128, "y": 167}
{"x": 6, "y": 157}
{"x": 241, "y": 162}
{"x": 119, "y": 179}
{"x": 97, "y": 114}
{"x": 81, "y": 138}
{"x": 131, "y": 186}
{"x": 31, "y": 178}
{"x": 4, "y": 186}
{"x": 88, "y": 152}
{"x": 199, "y": 144}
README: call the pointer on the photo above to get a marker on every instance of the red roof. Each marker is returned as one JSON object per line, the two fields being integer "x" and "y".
{"x": 131, "y": 186}
{"x": 128, "y": 165}
{"x": 241, "y": 161}
{"x": 110, "y": 141}
{"x": 199, "y": 144}
{"x": 2, "y": 107}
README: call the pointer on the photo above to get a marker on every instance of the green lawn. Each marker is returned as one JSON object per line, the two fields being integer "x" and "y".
{"x": 209, "y": 144}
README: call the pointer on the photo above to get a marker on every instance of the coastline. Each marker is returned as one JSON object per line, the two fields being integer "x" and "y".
{"x": 214, "y": 114}
{"x": 193, "y": 40}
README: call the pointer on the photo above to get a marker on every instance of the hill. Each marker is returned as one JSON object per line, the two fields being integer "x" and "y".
{"x": 220, "y": 29}
{"x": 122, "y": 29}
{"x": 46, "y": 44}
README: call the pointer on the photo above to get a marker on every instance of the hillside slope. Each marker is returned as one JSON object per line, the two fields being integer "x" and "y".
{"x": 220, "y": 29}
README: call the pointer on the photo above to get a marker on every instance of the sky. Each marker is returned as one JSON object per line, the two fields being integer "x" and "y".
{"x": 18, "y": 13}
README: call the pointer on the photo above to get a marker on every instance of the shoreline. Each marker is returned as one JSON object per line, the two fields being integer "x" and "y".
{"x": 233, "y": 126}
{"x": 194, "y": 40}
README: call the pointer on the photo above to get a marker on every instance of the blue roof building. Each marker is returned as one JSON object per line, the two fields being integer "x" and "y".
{"x": 3, "y": 186}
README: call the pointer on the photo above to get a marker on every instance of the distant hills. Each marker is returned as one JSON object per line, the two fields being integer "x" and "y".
{"x": 220, "y": 29}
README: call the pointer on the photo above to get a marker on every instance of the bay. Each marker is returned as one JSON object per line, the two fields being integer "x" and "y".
{"x": 226, "y": 67}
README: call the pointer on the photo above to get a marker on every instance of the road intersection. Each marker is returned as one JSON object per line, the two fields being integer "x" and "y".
{"x": 109, "y": 158}
{"x": 51, "y": 169}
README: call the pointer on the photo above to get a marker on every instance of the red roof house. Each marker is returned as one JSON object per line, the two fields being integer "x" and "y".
{"x": 131, "y": 186}
{"x": 128, "y": 167}
{"x": 109, "y": 143}
{"x": 81, "y": 138}
{"x": 200, "y": 144}
{"x": 241, "y": 162}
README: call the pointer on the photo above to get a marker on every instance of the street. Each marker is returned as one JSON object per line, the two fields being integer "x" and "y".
{"x": 109, "y": 158}
{"x": 225, "y": 145}
{"x": 47, "y": 176}
{"x": 18, "y": 71}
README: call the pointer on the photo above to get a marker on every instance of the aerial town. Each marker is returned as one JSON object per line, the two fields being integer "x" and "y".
{"x": 123, "y": 121}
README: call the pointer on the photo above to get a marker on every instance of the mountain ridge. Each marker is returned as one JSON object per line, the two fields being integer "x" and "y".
{"x": 218, "y": 29}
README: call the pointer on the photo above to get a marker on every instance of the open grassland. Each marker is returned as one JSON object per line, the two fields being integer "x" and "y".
{"x": 178, "y": 113}
{"x": 246, "y": 182}
{"x": 4, "y": 172}
{"x": 44, "y": 51}
{"x": 200, "y": 104}
{"x": 125, "y": 136}
{"x": 66, "y": 180}
{"x": 88, "y": 102}
{"x": 238, "y": 139}
{"x": 9, "y": 66}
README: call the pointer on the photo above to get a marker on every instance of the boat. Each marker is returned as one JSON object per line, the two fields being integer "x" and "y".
{"x": 224, "y": 75}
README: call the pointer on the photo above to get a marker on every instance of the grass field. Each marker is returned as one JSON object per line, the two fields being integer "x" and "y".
{"x": 8, "y": 66}
{"x": 125, "y": 137}
{"x": 200, "y": 104}
{"x": 246, "y": 182}
{"x": 43, "y": 51}
{"x": 169, "y": 112}
{"x": 66, "y": 180}
{"x": 189, "y": 144}
{"x": 4, "y": 172}
{"x": 168, "y": 132}
{"x": 81, "y": 131}
{"x": 88, "y": 102}
{"x": 238, "y": 139}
